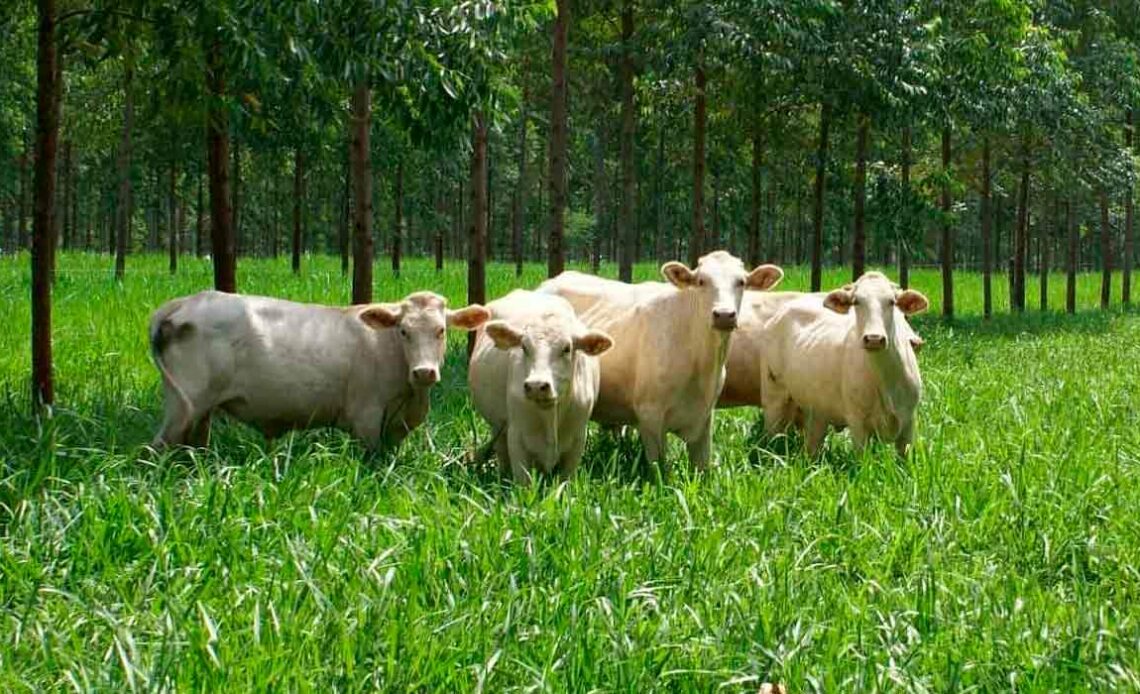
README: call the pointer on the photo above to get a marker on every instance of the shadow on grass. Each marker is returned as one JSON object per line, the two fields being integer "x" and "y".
{"x": 1034, "y": 323}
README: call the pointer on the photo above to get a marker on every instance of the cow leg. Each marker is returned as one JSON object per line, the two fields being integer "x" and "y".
{"x": 568, "y": 461}
{"x": 816, "y": 430}
{"x": 503, "y": 453}
{"x": 200, "y": 432}
{"x": 520, "y": 461}
{"x": 651, "y": 429}
{"x": 905, "y": 438}
{"x": 859, "y": 435}
{"x": 700, "y": 448}
{"x": 178, "y": 418}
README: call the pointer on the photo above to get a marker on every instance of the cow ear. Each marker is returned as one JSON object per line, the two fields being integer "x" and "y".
{"x": 839, "y": 300}
{"x": 911, "y": 302}
{"x": 468, "y": 318}
{"x": 380, "y": 316}
{"x": 765, "y": 277}
{"x": 593, "y": 343}
{"x": 678, "y": 274}
{"x": 503, "y": 335}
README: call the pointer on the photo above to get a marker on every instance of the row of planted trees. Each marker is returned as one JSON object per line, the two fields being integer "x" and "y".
{"x": 987, "y": 134}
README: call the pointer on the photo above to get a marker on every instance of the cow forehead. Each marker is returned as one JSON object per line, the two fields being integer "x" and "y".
{"x": 423, "y": 310}
{"x": 720, "y": 263}
{"x": 548, "y": 332}
{"x": 875, "y": 284}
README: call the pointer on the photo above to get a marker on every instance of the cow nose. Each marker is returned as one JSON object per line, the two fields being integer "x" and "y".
{"x": 874, "y": 342}
{"x": 537, "y": 389}
{"x": 425, "y": 375}
{"x": 724, "y": 318}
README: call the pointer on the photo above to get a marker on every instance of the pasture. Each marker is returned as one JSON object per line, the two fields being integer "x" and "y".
{"x": 1004, "y": 555}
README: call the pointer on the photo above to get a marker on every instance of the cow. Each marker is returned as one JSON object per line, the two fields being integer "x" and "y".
{"x": 666, "y": 369}
{"x": 534, "y": 377}
{"x": 744, "y": 373}
{"x": 280, "y": 365}
{"x": 846, "y": 363}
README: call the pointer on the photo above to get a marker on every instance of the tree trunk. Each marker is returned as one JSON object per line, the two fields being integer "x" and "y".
{"x": 659, "y": 195}
{"x": 859, "y": 230}
{"x": 43, "y": 240}
{"x": 22, "y": 230}
{"x": 757, "y": 197}
{"x": 558, "y": 142}
{"x": 947, "y": 231}
{"x": 345, "y": 218}
{"x": 1129, "y": 192}
{"x": 200, "y": 226}
{"x": 1105, "y": 253}
{"x": 123, "y": 202}
{"x": 987, "y": 226}
{"x": 361, "y": 157}
{"x": 240, "y": 242}
{"x": 218, "y": 143}
{"x": 904, "y": 250}
{"x": 1074, "y": 245}
{"x": 298, "y": 207}
{"x": 1043, "y": 249}
{"x": 518, "y": 205}
{"x": 628, "y": 131}
{"x": 67, "y": 222}
{"x": 172, "y": 225}
{"x": 817, "y": 207}
{"x": 700, "y": 123}
{"x": 398, "y": 218}
{"x": 599, "y": 198}
{"x": 477, "y": 236}
{"x": 1021, "y": 238}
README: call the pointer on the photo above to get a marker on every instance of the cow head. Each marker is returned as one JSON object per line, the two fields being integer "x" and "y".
{"x": 875, "y": 299}
{"x": 721, "y": 278}
{"x": 420, "y": 322}
{"x": 545, "y": 356}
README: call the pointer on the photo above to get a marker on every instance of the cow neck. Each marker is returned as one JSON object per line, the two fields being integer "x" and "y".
{"x": 894, "y": 369}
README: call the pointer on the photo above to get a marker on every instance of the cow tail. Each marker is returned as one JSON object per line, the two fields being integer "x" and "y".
{"x": 162, "y": 333}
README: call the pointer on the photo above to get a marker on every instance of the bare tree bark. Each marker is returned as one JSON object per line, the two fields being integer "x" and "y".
{"x": 477, "y": 244}
{"x": 222, "y": 241}
{"x": 518, "y": 205}
{"x": 904, "y": 250}
{"x": 600, "y": 188}
{"x": 628, "y": 131}
{"x": 1043, "y": 247}
{"x": 1021, "y": 237}
{"x": 987, "y": 227}
{"x": 1129, "y": 192}
{"x": 859, "y": 230}
{"x": 345, "y": 216}
{"x": 700, "y": 124}
{"x": 43, "y": 238}
{"x": 1074, "y": 245}
{"x": 362, "y": 194}
{"x": 947, "y": 231}
{"x": 123, "y": 201}
{"x": 1105, "y": 253}
{"x": 298, "y": 207}
{"x": 820, "y": 191}
{"x": 200, "y": 230}
{"x": 556, "y": 261}
{"x": 25, "y": 159}
{"x": 757, "y": 197}
{"x": 173, "y": 227}
{"x": 398, "y": 218}
{"x": 240, "y": 242}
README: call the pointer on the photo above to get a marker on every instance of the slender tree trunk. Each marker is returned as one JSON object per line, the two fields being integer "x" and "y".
{"x": 218, "y": 138}
{"x": 173, "y": 227}
{"x": 68, "y": 192}
{"x": 1074, "y": 245}
{"x": 362, "y": 195}
{"x": 659, "y": 195}
{"x": 558, "y": 141}
{"x": 477, "y": 236}
{"x": 1043, "y": 248}
{"x": 345, "y": 212}
{"x": 947, "y": 232}
{"x": 600, "y": 226}
{"x": 43, "y": 241}
{"x": 1105, "y": 253}
{"x": 904, "y": 250}
{"x": 123, "y": 202}
{"x": 398, "y": 218}
{"x": 820, "y": 191}
{"x": 22, "y": 231}
{"x": 986, "y": 225}
{"x": 1129, "y": 192}
{"x": 1021, "y": 238}
{"x": 298, "y": 208}
{"x": 757, "y": 197}
{"x": 518, "y": 206}
{"x": 240, "y": 241}
{"x": 700, "y": 123}
{"x": 859, "y": 230}
{"x": 629, "y": 234}
{"x": 200, "y": 230}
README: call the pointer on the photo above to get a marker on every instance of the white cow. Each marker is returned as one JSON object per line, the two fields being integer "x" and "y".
{"x": 848, "y": 362}
{"x": 744, "y": 373}
{"x": 666, "y": 369}
{"x": 534, "y": 377}
{"x": 280, "y": 365}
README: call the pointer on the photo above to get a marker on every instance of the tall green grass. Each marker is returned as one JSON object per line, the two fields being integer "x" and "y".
{"x": 1005, "y": 554}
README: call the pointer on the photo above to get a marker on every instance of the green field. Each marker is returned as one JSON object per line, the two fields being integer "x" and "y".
{"x": 1005, "y": 554}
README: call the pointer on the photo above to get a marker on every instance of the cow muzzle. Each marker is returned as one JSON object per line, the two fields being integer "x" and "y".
{"x": 425, "y": 375}
{"x": 874, "y": 343}
{"x": 540, "y": 391}
{"x": 724, "y": 319}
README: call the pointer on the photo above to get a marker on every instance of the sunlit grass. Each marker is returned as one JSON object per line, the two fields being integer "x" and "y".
{"x": 1005, "y": 554}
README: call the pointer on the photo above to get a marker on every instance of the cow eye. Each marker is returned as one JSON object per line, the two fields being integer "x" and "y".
{"x": 566, "y": 350}
{"x": 439, "y": 333}
{"x": 740, "y": 282}
{"x": 700, "y": 281}
{"x": 403, "y": 333}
